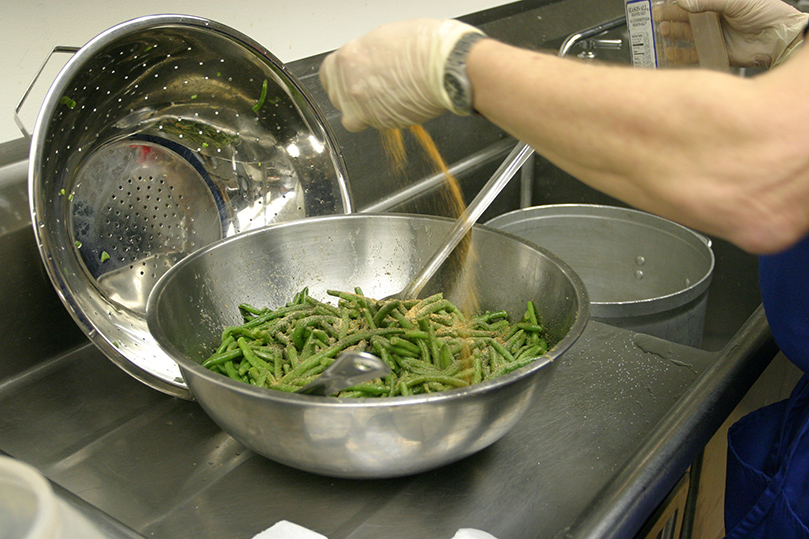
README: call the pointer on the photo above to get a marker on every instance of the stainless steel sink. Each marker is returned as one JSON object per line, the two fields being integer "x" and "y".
{"x": 624, "y": 417}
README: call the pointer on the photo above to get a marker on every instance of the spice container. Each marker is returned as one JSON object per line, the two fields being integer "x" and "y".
{"x": 663, "y": 35}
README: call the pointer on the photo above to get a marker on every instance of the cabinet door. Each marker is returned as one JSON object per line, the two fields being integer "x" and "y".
{"x": 667, "y": 521}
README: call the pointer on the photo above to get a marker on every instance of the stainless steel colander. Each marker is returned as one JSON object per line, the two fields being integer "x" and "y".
{"x": 160, "y": 136}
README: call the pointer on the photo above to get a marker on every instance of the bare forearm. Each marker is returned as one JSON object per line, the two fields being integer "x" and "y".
{"x": 669, "y": 142}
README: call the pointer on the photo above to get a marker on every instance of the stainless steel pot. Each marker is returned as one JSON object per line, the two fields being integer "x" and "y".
{"x": 642, "y": 272}
{"x": 359, "y": 438}
{"x": 160, "y": 136}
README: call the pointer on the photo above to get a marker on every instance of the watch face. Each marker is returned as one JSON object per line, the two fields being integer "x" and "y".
{"x": 455, "y": 90}
{"x": 456, "y": 84}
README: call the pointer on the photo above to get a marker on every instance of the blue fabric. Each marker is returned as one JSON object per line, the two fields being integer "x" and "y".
{"x": 767, "y": 487}
{"x": 784, "y": 280}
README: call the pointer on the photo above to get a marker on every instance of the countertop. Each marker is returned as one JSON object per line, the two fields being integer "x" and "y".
{"x": 621, "y": 421}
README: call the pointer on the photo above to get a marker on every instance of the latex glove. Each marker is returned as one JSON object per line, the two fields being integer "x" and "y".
{"x": 393, "y": 76}
{"x": 758, "y": 33}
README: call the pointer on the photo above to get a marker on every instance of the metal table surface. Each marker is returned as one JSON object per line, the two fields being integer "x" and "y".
{"x": 601, "y": 447}
{"x": 160, "y": 467}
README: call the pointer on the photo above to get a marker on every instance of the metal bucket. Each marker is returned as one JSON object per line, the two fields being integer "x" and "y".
{"x": 642, "y": 272}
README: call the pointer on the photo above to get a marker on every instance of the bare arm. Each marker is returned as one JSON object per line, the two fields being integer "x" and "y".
{"x": 720, "y": 153}
{"x": 723, "y": 154}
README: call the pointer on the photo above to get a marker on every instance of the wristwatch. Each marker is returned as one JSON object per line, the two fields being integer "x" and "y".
{"x": 456, "y": 81}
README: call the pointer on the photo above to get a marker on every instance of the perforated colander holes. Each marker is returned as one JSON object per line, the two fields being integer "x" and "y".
{"x": 147, "y": 204}
{"x": 126, "y": 342}
{"x": 154, "y": 269}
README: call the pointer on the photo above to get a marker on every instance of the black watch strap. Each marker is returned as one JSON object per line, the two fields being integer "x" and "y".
{"x": 456, "y": 81}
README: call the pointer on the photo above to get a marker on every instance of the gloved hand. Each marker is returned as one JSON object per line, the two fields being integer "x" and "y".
{"x": 393, "y": 77}
{"x": 758, "y": 33}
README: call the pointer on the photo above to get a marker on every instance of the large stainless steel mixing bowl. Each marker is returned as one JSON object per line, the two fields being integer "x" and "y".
{"x": 359, "y": 438}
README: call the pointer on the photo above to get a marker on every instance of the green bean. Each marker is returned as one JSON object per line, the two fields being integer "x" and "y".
{"x": 516, "y": 342}
{"x": 369, "y": 317}
{"x": 404, "y": 352}
{"x": 230, "y": 370}
{"x": 307, "y": 348}
{"x": 434, "y": 345}
{"x": 401, "y": 343}
{"x": 251, "y": 357}
{"x": 222, "y": 357}
{"x": 243, "y": 331}
{"x": 249, "y": 309}
{"x": 372, "y": 389}
{"x": 428, "y": 344}
{"x": 489, "y": 316}
{"x": 529, "y": 352}
{"x": 435, "y": 387}
{"x": 226, "y": 342}
{"x": 417, "y": 366}
{"x": 525, "y": 326}
{"x": 477, "y": 372}
{"x": 285, "y": 387}
{"x": 349, "y": 297}
{"x": 497, "y": 326}
{"x": 513, "y": 366}
{"x": 501, "y": 350}
{"x": 448, "y": 380}
{"x": 424, "y": 351}
{"x": 445, "y": 357}
{"x": 333, "y": 350}
{"x": 417, "y": 334}
{"x": 386, "y": 309}
{"x": 299, "y": 334}
{"x": 463, "y": 333}
{"x": 401, "y": 319}
{"x": 323, "y": 308}
{"x": 436, "y": 306}
{"x": 383, "y": 354}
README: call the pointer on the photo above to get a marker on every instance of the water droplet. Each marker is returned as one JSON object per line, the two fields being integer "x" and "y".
{"x": 640, "y": 261}
{"x": 638, "y": 275}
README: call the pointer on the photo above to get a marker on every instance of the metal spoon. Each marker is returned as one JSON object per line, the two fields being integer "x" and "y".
{"x": 352, "y": 368}
{"x": 349, "y": 369}
{"x": 484, "y": 198}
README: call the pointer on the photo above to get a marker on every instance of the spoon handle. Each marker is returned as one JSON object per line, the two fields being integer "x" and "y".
{"x": 469, "y": 217}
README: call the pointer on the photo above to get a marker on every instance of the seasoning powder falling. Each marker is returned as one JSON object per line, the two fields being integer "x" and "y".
{"x": 451, "y": 204}
{"x": 463, "y": 255}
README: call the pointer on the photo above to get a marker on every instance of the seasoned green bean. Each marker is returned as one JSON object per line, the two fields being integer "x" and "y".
{"x": 429, "y": 344}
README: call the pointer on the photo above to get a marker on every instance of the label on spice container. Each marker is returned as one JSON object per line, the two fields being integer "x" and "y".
{"x": 641, "y": 33}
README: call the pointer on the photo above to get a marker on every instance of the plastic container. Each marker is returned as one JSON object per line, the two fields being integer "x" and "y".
{"x": 663, "y": 35}
{"x": 29, "y": 508}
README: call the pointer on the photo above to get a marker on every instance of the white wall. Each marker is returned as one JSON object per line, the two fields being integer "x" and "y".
{"x": 291, "y": 29}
